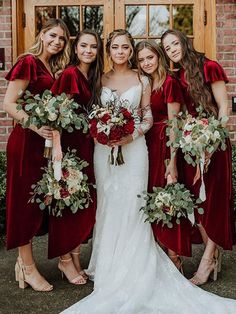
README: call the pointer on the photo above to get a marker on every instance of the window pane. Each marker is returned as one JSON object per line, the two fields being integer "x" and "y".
{"x": 71, "y": 16}
{"x": 93, "y": 18}
{"x": 183, "y": 18}
{"x": 159, "y": 19}
{"x": 42, "y": 14}
{"x": 136, "y": 20}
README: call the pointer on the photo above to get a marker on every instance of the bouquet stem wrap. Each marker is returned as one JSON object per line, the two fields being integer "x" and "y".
{"x": 56, "y": 154}
{"x": 119, "y": 157}
{"x": 48, "y": 149}
{"x": 198, "y": 175}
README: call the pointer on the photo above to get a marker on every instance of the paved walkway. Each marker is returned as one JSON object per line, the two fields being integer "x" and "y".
{"x": 14, "y": 300}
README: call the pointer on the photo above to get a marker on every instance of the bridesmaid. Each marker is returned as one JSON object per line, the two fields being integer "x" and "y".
{"x": 203, "y": 82}
{"x": 35, "y": 71}
{"x": 166, "y": 98}
{"x": 82, "y": 81}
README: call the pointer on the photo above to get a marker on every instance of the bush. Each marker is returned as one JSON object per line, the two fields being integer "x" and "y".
{"x": 3, "y": 168}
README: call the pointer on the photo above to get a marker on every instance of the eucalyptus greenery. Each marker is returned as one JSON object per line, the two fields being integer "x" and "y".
{"x": 196, "y": 136}
{"x": 58, "y": 112}
{"x": 167, "y": 205}
{"x": 71, "y": 192}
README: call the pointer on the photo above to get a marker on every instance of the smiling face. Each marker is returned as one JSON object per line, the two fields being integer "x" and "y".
{"x": 148, "y": 61}
{"x": 53, "y": 40}
{"x": 120, "y": 49}
{"x": 173, "y": 48}
{"x": 86, "y": 49}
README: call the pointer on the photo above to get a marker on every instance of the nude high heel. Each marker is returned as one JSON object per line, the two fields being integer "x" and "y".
{"x": 211, "y": 271}
{"x": 176, "y": 259}
{"x": 218, "y": 257}
{"x": 82, "y": 272}
{"x": 29, "y": 275}
{"x": 78, "y": 280}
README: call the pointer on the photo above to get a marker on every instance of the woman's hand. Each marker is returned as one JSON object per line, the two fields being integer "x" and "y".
{"x": 45, "y": 132}
{"x": 123, "y": 141}
{"x": 171, "y": 172}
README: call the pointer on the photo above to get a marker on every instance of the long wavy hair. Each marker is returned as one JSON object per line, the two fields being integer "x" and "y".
{"x": 110, "y": 39}
{"x": 192, "y": 62}
{"x": 162, "y": 68}
{"x": 60, "y": 60}
{"x": 96, "y": 67}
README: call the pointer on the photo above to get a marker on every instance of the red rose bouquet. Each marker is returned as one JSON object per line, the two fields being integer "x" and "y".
{"x": 111, "y": 123}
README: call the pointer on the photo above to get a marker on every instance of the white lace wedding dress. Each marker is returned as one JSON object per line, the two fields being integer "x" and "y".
{"x": 131, "y": 273}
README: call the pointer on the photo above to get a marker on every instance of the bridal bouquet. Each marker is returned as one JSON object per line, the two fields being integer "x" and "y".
{"x": 57, "y": 112}
{"x": 72, "y": 190}
{"x": 170, "y": 204}
{"x": 198, "y": 137}
{"x": 111, "y": 123}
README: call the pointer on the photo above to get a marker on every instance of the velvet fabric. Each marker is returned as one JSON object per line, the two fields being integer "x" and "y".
{"x": 178, "y": 237}
{"x": 24, "y": 161}
{"x": 218, "y": 218}
{"x": 70, "y": 230}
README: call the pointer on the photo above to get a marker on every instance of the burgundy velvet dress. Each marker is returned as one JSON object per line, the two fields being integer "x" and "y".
{"x": 70, "y": 230}
{"x": 24, "y": 161}
{"x": 218, "y": 207}
{"x": 178, "y": 237}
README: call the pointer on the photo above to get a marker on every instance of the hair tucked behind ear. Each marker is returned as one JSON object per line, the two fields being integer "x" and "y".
{"x": 193, "y": 64}
{"x": 96, "y": 68}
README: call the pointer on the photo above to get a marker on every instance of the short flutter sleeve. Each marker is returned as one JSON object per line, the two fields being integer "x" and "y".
{"x": 172, "y": 90}
{"x": 67, "y": 83}
{"x": 24, "y": 69}
{"x": 214, "y": 72}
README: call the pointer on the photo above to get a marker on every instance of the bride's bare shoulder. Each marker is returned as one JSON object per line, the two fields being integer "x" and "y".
{"x": 106, "y": 77}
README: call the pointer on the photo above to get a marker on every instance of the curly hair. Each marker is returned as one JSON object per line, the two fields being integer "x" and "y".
{"x": 193, "y": 63}
{"x": 120, "y": 32}
{"x": 60, "y": 60}
{"x": 162, "y": 68}
{"x": 96, "y": 68}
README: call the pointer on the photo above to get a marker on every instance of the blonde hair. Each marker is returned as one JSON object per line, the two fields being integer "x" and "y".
{"x": 60, "y": 60}
{"x": 162, "y": 68}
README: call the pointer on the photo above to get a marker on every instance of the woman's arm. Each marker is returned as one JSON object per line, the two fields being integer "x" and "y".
{"x": 171, "y": 169}
{"x": 220, "y": 94}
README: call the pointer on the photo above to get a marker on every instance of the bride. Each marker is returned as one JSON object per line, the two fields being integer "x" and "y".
{"x": 131, "y": 273}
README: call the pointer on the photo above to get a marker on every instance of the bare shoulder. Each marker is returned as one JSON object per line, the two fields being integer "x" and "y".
{"x": 106, "y": 77}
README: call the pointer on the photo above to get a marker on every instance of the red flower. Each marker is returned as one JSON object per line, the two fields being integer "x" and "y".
{"x": 64, "y": 193}
{"x": 129, "y": 127}
{"x": 105, "y": 118}
{"x": 102, "y": 138}
{"x": 116, "y": 133}
{"x": 65, "y": 173}
{"x": 186, "y": 133}
{"x": 93, "y": 128}
{"x": 125, "y": 113}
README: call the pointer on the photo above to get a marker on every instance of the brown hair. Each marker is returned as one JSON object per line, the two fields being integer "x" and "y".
{"x": 60, "y": 60}
{"x": 120, "y": 32}
{"x": 193, "y": 62}
{"x": 162, "y": 69}
{"x": 96, "y": 68}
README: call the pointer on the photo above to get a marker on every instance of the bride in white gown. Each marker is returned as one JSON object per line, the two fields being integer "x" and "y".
{"x": 131, "y": 273}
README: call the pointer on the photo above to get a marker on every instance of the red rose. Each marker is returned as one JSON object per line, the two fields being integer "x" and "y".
{"x": 125, "y": 113}
{"x": 186, "y": 133}
{"x": 102, "y": 138}
{"x": 129, "y": 127}
{"x": 116, "y": 133}
{"x": 105, "y": 118}
{"x": 65, "y": 173}
{"x": 64, "y": 193}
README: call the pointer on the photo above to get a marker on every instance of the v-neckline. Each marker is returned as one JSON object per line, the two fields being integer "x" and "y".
{"x": 50, "y": 73}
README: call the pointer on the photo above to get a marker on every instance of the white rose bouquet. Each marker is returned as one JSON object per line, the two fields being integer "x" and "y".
{"x": 71, "y": 191}
{"x": 169, "y": 204}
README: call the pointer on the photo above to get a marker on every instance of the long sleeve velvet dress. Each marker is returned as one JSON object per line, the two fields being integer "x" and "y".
{"x": 218, "y": 207}
{"x": 178, "y": 237}
{"x": 70, "y": 230}
{"x": 24, "y": 161}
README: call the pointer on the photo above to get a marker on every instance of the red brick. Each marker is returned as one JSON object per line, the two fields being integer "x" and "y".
{"x": 3, "y": 130}
{"x": 7, "y": 122}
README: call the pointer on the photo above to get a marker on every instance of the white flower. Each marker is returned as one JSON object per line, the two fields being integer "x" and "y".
{"x": 52, "y": 116}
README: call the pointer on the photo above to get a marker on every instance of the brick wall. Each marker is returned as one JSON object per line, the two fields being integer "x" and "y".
{"x": 5, "y": 42}
{"x": 226, "y": 55}
{"x": 226, "y": 51}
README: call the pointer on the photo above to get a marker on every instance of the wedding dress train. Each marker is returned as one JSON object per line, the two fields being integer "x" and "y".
{"x": 131, "y": 273}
